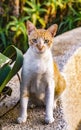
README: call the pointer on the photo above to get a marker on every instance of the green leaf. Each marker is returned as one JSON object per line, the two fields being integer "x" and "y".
{"x": 17, "y": 57}
{"x": 3, "y": 38}
{"x": 14, "y": 18}
{"x": 8, "y": 26}
{"x": 42, "y": 10}
{"x": 13, "y": 28}
{"x": 25, "y": 19}
{"x": 41, "y": 21}
{"x": 29, "y": 10}
{"x": 23, "y": 30}
{"x": 30, "y": 4}
{"x": 3, "y": 60}
{"x": 4, "y": 71}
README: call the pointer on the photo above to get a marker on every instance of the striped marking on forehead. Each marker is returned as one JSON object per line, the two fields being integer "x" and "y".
{"x": 41, "y": 33}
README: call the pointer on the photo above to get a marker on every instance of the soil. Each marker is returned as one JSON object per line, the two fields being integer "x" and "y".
{"x": 64, "y": 46}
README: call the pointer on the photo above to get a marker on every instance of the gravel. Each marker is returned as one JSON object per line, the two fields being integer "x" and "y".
{"x": 35, "y": 120}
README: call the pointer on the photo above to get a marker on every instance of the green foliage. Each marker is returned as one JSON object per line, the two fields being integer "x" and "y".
{"x": 18, "y": 27}
{"x": 43, "y": 13}
{"x": 73, "y": 17}
{"x": 2, "y": 37}
{"x": 34, "y": 10}
{"x": 6, "y": 71}
{"x": 3, "y": 73}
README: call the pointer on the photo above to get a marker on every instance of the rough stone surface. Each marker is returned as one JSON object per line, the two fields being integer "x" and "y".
{"x": 10, "y": 101}
{"x": 64, "y": 46}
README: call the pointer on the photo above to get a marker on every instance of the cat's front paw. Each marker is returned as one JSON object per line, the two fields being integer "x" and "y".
{"x": 21, "y": 120}
{"x": 49, "y": 120}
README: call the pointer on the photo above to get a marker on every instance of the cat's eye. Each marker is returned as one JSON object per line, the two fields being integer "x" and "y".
{"x": 46, "y": 41}
{"x": 34, "y": 40}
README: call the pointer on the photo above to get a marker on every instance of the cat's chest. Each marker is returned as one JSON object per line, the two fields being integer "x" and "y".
{"x": 38, "y": 66}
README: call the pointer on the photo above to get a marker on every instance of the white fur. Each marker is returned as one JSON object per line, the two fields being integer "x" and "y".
{"x": 38, "y": 79}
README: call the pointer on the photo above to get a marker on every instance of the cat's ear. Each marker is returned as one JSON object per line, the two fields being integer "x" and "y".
{"x": 30, "y": 27}
{"x": 53, "y": 29}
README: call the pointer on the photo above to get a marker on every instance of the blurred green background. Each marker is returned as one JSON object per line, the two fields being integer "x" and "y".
{"x": 43, "y": 13}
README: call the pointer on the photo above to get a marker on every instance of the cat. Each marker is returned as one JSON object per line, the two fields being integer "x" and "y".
{"x": 71, "y": 98}
{"x": 40, "y": 76}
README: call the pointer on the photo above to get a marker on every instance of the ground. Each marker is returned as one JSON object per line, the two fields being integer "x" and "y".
{"x": 35, "y": 120}
{"x": 64, "y": 46}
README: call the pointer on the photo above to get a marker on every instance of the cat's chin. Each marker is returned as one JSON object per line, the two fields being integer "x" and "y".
{"x": 41, "y": 51}
{"x": 36, "y": 51}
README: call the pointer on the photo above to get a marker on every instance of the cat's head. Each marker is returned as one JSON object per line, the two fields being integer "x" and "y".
{"x": 40, "y": 39}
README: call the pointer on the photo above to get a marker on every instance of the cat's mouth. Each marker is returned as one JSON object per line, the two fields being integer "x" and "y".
{"x": 41, "y": 49}
{"x": 40, "y": 52}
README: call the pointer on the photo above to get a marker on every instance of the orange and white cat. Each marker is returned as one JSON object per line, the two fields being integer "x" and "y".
{"x": 40, "y": 75}
{"x": 71, "y": 98}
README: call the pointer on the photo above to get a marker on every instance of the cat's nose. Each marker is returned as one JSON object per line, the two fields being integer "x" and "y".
{"x": 40, "y": 46}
